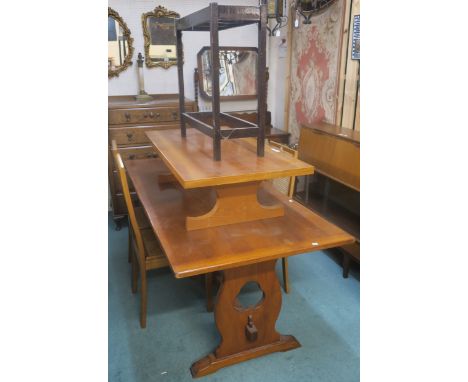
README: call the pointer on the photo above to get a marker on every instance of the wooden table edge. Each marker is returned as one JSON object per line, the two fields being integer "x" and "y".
{"x": 347, "y": 239}
{"x": 233, "y": 179}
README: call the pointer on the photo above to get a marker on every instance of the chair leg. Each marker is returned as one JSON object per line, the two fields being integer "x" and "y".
{"x": 284, "y": 261}
{"x": 144, "y": 299}
{"x": 209, "y": 291}
{"x": 134, "y": 273}
{"x": 130, "y": 244}
{"x": 346, "y": 259}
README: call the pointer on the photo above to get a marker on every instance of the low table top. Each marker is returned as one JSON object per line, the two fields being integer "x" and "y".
{"x": 207, "y": 250}
{"x": 191, "y": 161}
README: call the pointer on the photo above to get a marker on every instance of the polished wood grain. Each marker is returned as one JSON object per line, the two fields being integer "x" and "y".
{"x": 246, "y": 332}
{"x": 144, "y": 250}
{"x": 206, "y": 250}
{"x": 286, "y": 187}
{"x": 333, "y": 151}
{"x": 159, "y": 100}
{"x": 242, "y": 253}
{"x": 235, "y": 203}
{"x": 190, "y": 160}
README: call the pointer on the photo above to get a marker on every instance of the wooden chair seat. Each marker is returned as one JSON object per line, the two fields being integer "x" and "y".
{"x": 155, "y": 257}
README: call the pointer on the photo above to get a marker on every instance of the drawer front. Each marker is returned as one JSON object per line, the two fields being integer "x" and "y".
{"x": 144, "y": 115}
{"x": 142, "y": 152}
{"x": 135, "y": 135}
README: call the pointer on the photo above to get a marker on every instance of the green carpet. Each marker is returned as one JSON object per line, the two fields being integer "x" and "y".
{"x": 321, "y": 311}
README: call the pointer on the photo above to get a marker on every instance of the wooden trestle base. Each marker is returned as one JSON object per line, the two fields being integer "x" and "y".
{"x": 235, "y": 203}
{"x": 246, "y": 333}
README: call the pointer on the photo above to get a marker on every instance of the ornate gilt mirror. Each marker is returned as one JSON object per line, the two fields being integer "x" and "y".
{"x": 237, "y": 75}
{"x": 160, "y": 37}
{"x": 119, "y": 44}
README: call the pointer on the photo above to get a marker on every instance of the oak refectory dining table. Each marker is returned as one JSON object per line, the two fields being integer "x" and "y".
{"x": 222, "y": 216}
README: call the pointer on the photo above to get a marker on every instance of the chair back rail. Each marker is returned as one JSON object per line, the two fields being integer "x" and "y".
{"x": 128, "y": 201}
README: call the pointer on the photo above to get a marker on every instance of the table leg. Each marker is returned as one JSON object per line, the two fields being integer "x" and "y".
{"x": 246, "y": 332}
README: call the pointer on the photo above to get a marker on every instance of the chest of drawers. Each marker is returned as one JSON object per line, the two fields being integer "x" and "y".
{"x": 129, "y": 120}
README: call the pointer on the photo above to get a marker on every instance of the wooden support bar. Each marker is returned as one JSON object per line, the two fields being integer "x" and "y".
{"x": 235, "y": 121}
{"x": 195, "y": 19}
{"x": 180, "y": 73}
{"x": 239, "y": 132}
{"x": 197, "y": 124}
{"x": 261, "y": 80}
{"x": 214, "y": 39}
{"x": 240, "y": 14}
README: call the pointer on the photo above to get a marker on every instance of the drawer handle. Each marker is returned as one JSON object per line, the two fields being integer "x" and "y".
{"x": 151, "y": 155}
{"x": 145, "y": 115}
{"x": 158, "y": 115}
{"x": 152, "y": 115}
{"x": 127, "y": 116}
{"x": 131, "y": 156}
{"x": 174, "y": 115}
{"x": 130, "y": 136}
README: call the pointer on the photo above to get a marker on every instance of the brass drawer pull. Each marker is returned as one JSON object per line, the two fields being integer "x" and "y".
{"x": 151, "y": 155}
{"x": 158, "y": 115}
{"x": 131, "y": 156}
{"x": 152, "y": 115}
{"x": 127, "y": 116}
{"x": 130, "y": 136}
{"x": 174, "y": 115}
{"x": 145, "y": 115}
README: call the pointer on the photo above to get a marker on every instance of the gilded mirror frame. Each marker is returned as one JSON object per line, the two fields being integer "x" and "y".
{"x": 159, "y": 11}
{"x": 202, "y": 89}
{"x": 126, "y": 32}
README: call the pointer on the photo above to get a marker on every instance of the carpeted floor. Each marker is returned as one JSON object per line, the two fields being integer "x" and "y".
{"x": 321, "y": 311}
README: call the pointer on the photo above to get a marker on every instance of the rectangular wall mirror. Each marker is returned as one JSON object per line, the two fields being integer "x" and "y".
{"x": 160, "y": 37}
{"x": 238, "y": 72}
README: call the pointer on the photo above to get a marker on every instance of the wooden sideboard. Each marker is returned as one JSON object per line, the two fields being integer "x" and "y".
{"x": 334, "y": 191}
{"x": 129, "y": 120}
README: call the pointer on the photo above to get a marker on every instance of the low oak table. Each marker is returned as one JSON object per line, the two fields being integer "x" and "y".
{"x": 243, "y": 251}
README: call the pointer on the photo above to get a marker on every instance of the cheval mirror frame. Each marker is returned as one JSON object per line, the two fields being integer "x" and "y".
{"x": 203, "y": 91}
{"x": 126, "y": 32}
{"x": 159, "y": 11}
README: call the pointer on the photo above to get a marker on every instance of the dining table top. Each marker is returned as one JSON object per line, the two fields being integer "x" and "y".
{"x": 202, "y": 251}
{"x": 191, "y": 161}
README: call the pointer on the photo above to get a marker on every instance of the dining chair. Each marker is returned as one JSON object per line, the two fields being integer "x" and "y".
{"x": 145, "y": 251}
{"x": 286, "y": 187}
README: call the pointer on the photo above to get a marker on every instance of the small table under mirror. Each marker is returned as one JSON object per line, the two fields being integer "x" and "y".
{"x": 119, "y": 44}
{"x": 160, "y": 37}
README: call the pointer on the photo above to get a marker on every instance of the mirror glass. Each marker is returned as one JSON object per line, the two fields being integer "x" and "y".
{"x": 163, "y": 39}
{"x": 160, "y": 37}
{"x": 238, "y": 72}
{"x": 117, "y": 44}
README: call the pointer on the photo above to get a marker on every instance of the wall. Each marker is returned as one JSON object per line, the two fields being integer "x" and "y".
{"x": 158, "y": 80}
